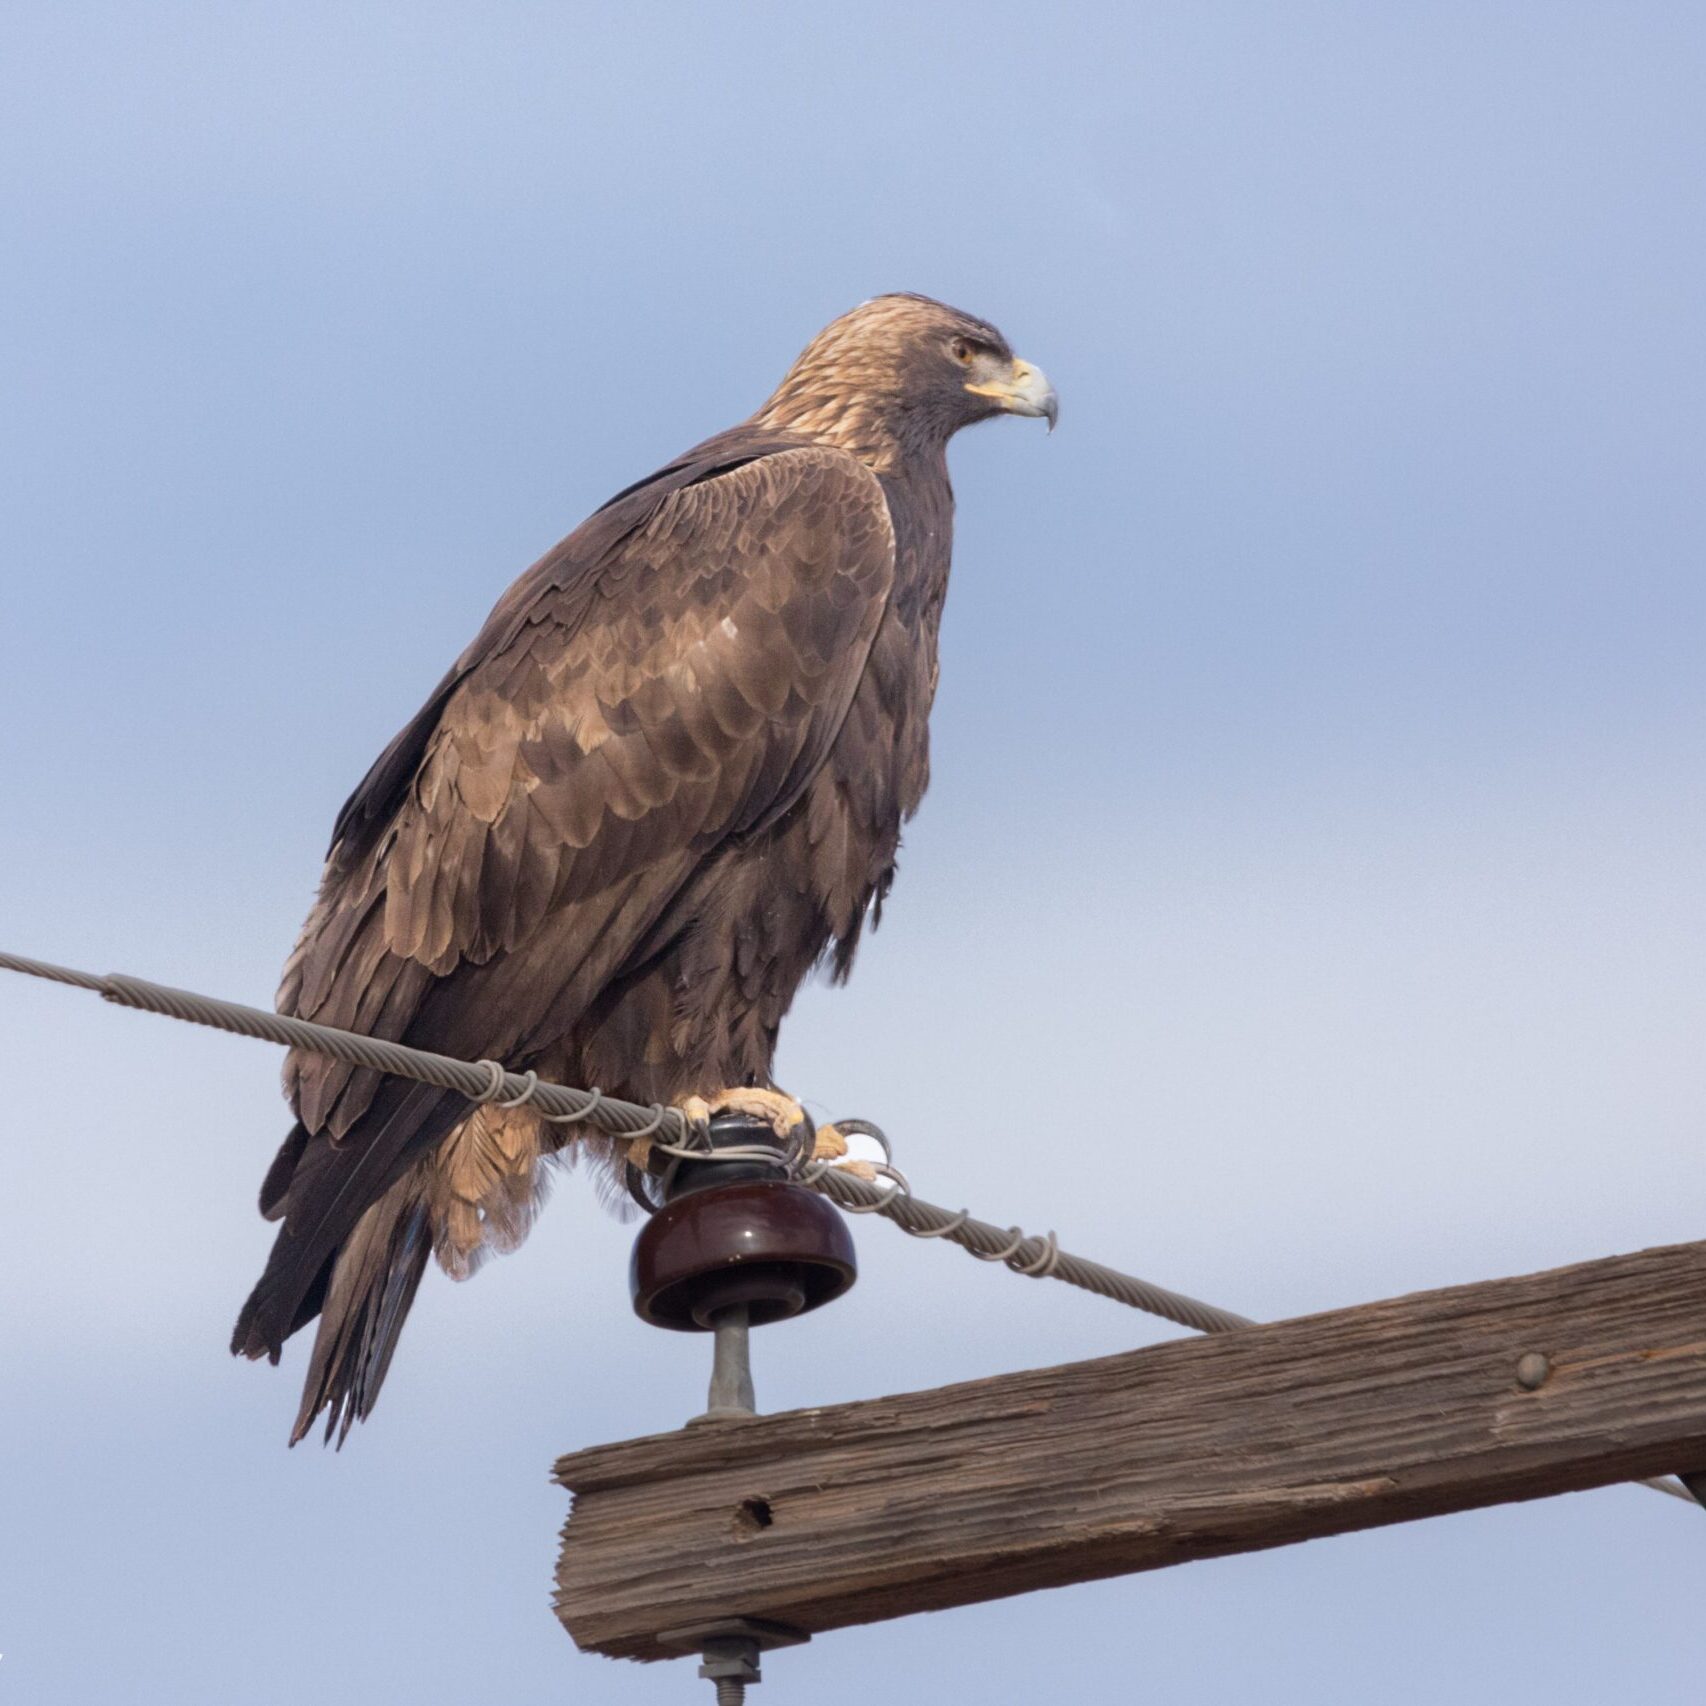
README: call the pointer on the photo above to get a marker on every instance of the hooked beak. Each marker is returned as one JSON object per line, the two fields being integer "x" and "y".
{"x": 1023, "y": 390}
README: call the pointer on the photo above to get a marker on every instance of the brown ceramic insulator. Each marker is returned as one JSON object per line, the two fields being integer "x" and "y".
{"x": 778, "y": 1248}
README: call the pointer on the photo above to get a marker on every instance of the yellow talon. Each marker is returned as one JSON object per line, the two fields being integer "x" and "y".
{"x": 830, "y": 1145}
{"x": 779, "y": 1111}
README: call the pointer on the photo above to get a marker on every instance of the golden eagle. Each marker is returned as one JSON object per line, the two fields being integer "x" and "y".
{"x": 666, "y": 779}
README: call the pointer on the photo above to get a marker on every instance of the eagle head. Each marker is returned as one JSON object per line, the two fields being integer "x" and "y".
{"x": 904, "y": 373}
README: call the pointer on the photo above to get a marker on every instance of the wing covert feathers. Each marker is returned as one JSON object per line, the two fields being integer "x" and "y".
{"x": 670, "y": 677}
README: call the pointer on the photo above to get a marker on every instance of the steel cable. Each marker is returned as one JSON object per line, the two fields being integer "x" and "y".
{"x": 488, "y": 1081}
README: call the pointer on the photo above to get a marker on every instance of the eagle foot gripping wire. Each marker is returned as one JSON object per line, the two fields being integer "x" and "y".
{"x": 793, "y": 1159}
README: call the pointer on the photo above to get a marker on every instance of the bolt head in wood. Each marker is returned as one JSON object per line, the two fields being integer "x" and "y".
{"x": 1531, "y": 1371}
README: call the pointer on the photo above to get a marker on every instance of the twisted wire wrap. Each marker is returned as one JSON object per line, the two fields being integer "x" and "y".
{"x": 487, "y": 1081}
{"x": 995, "y": 1243}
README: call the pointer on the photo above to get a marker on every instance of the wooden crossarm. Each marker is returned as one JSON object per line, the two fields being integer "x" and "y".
{"x": 1193, "y": 1449}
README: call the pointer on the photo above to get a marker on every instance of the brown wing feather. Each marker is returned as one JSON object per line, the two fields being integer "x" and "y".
{"x": 671, "y": 676}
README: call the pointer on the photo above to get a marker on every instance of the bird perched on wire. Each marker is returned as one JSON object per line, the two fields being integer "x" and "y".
{"x": 665, "y": 781}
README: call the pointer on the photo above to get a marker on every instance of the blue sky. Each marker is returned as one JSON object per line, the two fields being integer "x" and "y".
{"x": 1318, "y": 759}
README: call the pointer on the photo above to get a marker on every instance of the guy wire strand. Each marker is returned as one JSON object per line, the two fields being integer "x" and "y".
{"x": 488, "y": 1081}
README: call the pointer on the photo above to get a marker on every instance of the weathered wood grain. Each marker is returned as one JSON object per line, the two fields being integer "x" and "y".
{"x": 1192, "y": 1449}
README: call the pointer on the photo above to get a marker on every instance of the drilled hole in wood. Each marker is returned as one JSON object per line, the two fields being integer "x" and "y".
{"x": 753, "y": 1516}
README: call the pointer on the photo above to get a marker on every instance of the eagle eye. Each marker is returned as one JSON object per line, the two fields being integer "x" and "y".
{"x": 963, "y": 351}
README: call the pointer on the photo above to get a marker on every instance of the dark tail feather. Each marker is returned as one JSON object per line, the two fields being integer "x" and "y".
{"x": 275, "y": 1187}
{"x": 353, "y": 1244}
{"x": 367, "y": 1297}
